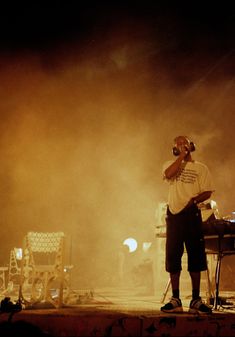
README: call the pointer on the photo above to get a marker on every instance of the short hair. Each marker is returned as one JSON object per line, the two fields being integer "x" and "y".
{"x": 176, "y": 138}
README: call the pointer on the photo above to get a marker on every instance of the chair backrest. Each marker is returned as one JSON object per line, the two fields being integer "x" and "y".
{"x": 44, "y": 247}
{"x": 44, "y": 242}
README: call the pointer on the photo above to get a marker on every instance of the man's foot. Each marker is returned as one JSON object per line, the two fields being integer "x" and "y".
{"x": 198, "y": 307}
{"x": 174, "y": 305}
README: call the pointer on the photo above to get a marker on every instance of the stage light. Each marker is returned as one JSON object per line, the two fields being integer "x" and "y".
{"x": 146, "y": 246}
{"x": 18, "y": 253}
{"x": 131, "y": 243}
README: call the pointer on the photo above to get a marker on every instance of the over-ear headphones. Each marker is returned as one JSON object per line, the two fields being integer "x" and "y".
{"x": 176, "y": 151}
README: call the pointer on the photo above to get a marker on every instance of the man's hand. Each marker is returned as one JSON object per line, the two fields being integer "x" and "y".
{"x": 199, "y": 198}
{"x": 184, "y": 151}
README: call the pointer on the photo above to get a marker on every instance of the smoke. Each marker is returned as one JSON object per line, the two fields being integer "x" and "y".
{"x": 85, "y": 129}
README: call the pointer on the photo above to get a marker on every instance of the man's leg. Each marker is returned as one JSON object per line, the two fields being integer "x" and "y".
{"x": 175, "y": 283}
{"x": 196, "y": 279}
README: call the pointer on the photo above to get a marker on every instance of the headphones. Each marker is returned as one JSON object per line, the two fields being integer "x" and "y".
{"x": 176, "y": 151}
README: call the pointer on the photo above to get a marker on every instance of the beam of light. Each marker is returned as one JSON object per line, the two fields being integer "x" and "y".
{"x": 146, "y": 246}
{"x": 131, "y": 243}
{"x": 18, "y": 253}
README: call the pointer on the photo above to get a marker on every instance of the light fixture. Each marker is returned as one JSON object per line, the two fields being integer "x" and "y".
{"x": 131, "y": 243}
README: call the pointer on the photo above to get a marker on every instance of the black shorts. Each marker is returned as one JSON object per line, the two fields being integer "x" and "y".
{"x": 184, "y": 231}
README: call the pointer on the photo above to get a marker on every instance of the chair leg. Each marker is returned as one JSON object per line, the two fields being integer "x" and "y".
{"x": 210, "y": 293}
{"x": 166, "y": 290}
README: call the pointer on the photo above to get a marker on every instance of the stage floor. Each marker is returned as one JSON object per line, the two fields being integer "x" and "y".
{"x": 118, "y": 312}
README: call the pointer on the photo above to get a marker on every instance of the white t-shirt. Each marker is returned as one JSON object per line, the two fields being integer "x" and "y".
{"x": 193, "y": 178}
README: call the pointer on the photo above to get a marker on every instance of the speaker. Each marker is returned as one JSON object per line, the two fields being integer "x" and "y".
{"x": 176, "y": 151}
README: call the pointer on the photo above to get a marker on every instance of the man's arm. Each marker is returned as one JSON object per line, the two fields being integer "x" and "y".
{"x": 200, "y": 198}
{"x": 173, "y": 169}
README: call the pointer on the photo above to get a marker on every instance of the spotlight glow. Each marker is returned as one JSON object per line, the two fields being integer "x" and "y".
{"x": 146, "y": 246}
{"x": 18, "y": 253}
{"x": 131, "y": 243}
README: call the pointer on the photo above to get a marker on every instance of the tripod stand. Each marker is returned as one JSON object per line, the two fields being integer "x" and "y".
{"x": 220, "y": 241}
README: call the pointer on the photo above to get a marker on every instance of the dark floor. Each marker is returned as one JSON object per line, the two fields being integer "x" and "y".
{"x": 118, "y": 312}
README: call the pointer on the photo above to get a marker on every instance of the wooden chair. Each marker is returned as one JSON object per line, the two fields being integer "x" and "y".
{"x": 42, "y": 268}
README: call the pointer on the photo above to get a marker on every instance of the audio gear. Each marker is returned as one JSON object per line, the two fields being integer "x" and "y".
{"x": 8, "y": 306}
{"x": 176, "y": 151}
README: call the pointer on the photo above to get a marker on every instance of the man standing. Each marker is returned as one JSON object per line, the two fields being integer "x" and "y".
{"x": 190, "y": 183}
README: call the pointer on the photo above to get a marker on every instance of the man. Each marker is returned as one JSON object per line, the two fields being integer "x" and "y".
{"x": 190, "y": 183}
